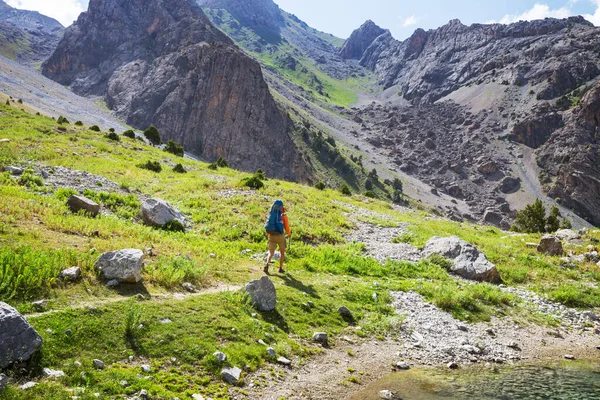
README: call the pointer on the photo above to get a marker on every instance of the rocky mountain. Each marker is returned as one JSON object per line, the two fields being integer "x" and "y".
{"x": 27, "y": 36}
{"x": 164, "y": 63}
{"x": 253, "y": 14}
{"x": 360, "y": 40}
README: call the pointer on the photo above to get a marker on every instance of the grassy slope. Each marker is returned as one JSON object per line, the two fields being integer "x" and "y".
{"x": 39, "y": 237}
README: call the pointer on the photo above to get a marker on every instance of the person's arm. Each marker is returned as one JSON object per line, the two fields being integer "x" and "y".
{"x": 286, "y": 224}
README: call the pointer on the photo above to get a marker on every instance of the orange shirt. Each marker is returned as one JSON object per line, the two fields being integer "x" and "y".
{"x": 286, "y": 224}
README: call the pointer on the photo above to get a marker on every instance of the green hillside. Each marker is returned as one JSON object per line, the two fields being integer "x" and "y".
{"x": 221, "y": 251}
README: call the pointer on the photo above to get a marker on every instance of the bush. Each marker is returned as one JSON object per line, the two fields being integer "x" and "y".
{"x": 113, "y": 136}
{"x": 533, "y": 219}
{"x": 397, "y": 185}
{"x": 111, "y": 130}
{"x": 78, "y": 123}
{"x": 345, "y": 190}
{"x": 370, "y": 194}
{"x": 373, "y": 175}
{"x": 213, "y": 167}
{"x": 397, "y": 197}
{"x": 124, "y": 206}
{"x": 253, "y": 182}
{"x": 153, "y": 135}
{"x": 7, "y": 102}
{"x": 260, "y": 174}
{"x": 95, "y": 128}
{"x": 320, "y": 185}
{"x": 129, "y": 133}
{"x": 179, "y": 169}
{"x": 62, "y": 120}
{"x": 174, "y": 226}
{"x": 174, "y": 148}
{"x": 369, "y": 184}
{"x": 151, "y": 166}
{"x": 30, "y": 180}
{"x": 221, "y": 163}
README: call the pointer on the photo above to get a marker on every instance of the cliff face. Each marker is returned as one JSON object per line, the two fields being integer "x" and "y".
{"x": 163, "y": 63}
{"x": 27, "y": 36}
{"x": 253, "y": 14}
{"x": 360, "y": 40}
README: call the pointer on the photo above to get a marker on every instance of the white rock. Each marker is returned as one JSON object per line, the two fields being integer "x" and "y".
{"x": 29, "y": 385}
{"x": 123, "y": 265}
{"x": 157, "y": 212}
{"x": 51, "y": 373}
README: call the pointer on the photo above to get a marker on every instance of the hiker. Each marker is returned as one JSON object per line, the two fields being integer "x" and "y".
{"x": 277, "y": 226}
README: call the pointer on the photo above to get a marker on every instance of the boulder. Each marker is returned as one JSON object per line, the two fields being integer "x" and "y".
{"x": 567, "y": 235}
{"x": 157, "y": 212}
{"x": 263, "y": 294}
{"x": 468, "y": 262}
{"x": 72, "y": 274}
{"x": 78, "y": 203}
{"x": 320, "y": 337}
{"x": 220, "y": 356}
{"x": 551, "y": 246}
{"x": 346, "y": 313}
{"x": 231, "y": 375}
{"x": 52, "y": 373}
{"x": 16, "y": 171}
{"x": 509, "y": 185}
{"x": 98, "y": 364}
{"x": 18, "y": 340}
{"x": 123, "y": 265}
{"x": 4, "y": 380}
{"x": 388, "y": 395}
{"x": 488, "y": 168}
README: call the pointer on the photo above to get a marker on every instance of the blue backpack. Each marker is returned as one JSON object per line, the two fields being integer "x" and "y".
{"x": 275, "y": 223}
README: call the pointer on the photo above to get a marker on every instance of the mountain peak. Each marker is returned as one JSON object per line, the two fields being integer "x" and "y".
{"x": 251, "y": 13}
{"x": 360, "y": 40}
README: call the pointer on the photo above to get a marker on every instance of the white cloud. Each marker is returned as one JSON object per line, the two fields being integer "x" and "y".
{"x": 65, "y": 11}
{"x": 412, "y": 20}
{"x": 538, "y": 11}
{"x": 594, "y": 18}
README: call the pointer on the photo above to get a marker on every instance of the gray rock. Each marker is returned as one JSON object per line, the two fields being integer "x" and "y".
{"x": 123, "y": 265}
{"x": 592, "y": 316}
{"x": 346, "y": 313}
{"x": 220, "y": 356}
{"x": 402, "y": 365}
{"x": 16, "y": 171}
{"x": 271, "y": 352}
{"x": 551, "y": 246}
{"x": 189, "y": 287}
{"x": 157, "y": 212}
{"x": 197, "y": 397}
{"x": 452, "y": 365}
{"x": 112, "y": 283}
{"x": 51, "y": 373}
{"x": 28, "y": 385}
{"x": 468, "y": 262}
{"x": 98, "y": 364}
{"x": 262, "y": 293}
{"x": 510, "y": 185}
{"x": 40, "y": 305}
{"x": 18, "y": 340}
{"x": 4, "y": 381}
{"x": 78, "y": 203}
{"x": 462, "y": 327}
{"x": 472, "y": 349}
{"x": 231, "y": 375}
{"x": 72, "y": 274}
{"x": 320, "y": 337}
{"x": 284, "y": 361}
{"x": 360, "y": 40}
{"x": 569, "y": 356}
{"x": 143, "y": 394}
{"x": 77, "y": 364}
{"x": 388, "y": 395}
{"x": 567, "y": 235}
{"x": 146, "y": 368}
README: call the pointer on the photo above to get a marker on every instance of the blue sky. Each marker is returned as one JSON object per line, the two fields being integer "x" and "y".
{"x": 402, "y": 17}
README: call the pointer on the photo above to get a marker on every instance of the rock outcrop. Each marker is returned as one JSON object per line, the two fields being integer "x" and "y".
{"x": 468, "y": 262}
{"x": 27, "y": 36}
{"x": 262, "y": 293}
{"x": 81, "y": 203}
{"x": 122, "y": 266}
{"x": 164, "y": 63}
{"x": 551, "y": 246}
{"x": 360, "y": 40}
{"x": 18, "y": 340}
{"x": 157, "y": 212}
{"x": 253, "y": 14}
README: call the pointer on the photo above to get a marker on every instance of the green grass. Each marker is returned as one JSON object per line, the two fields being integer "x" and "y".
{"x": 39, "y": 237}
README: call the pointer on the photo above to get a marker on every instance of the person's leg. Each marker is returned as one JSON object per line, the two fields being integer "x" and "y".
{"x": 281, "y": 252}
{"x": 272, "y": 247}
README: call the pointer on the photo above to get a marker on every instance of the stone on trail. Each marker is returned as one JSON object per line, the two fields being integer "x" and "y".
{"x": 231, "y": 375}
{"x": 18, "y": 340}
{"x": 550, "y": 245}
{"x": 71, "y": 274}
{"x": 123, "y": 265}
{"x": 157, "y": 212}
{"x": 77, "y": 203}
{"x": 51, "y": 373}
{"x": 262, "y": 293}
{"x": 402, "y": 365}
{"x": 284, "y": 361}
{"x": 188, "y": 287}
{"x": 320, "y": 337}
{"x": 98, "y": 364}
{"x": 468, "y": 262}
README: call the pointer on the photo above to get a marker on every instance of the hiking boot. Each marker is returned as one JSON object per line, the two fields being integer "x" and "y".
{"x": 266, "y": 269}
{"x": 281, "y": 271}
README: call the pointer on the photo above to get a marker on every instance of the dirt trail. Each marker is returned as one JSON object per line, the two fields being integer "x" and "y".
{"x": 158, "y": 298}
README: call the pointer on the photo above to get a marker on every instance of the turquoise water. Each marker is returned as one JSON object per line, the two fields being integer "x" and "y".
{"x": 575, "y": 381}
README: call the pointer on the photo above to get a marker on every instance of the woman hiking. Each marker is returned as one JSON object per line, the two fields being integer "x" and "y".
{"x": 277, "y": 226}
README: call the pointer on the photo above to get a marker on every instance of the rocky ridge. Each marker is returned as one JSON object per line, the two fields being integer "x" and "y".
{"x": 165, "y": 64}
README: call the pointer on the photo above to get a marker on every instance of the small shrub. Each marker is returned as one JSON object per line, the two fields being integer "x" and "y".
{"x": 179, "y": 169}
{"x": 111, "y": 130}
{"x": 222, "y": 163}
{"x": 345, "y": 190}
{"x": 213, "y": 167}
{"x": 174, "y": 148}
{"x": 253, "y": 182}
{"x": 129, "y": 133}
{"x": 30, "y": 180}
{"x": 320, "y": 185}
{"x": 151, "y": 166}
{"x": 153, "y": 135}
{"x": 260, "y": 174}
{"x": 95, "y": 128}
{"x": 404, "y": 238}
{"x": 20, "y": 101}
{"x": 133, "y": 315}
{"x": 113, "y": 136}
{"x": 62, "y": 120}
{"x": 532, "y": 219}
{"x": 78, "y": 123}
{"x": 370, "y": 194}
{"x": 397, "y": 185}
{"x": 7, "y": 102}
{"x": 369, "y": 184}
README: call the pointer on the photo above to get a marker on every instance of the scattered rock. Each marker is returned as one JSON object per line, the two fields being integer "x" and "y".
{"x": 69, "y": 332}
{"x": 19, "y": 341}
{"x": 4, "y": 140}
{"x": 220, "y": 356}
{"x": 263, "y": 294}
{"x": 388, "y": 395}
{"x": 402, "y": 365}
{"x": 123, "y": 265}
{"x": 72, "y": 274}
{"x": 345, "y": 313}
{"x": 77, "y": 364}
{"x": 271, "y": 352}
{"x": 189, "y": 287}
{"x": 231, "y": 375}
{"x": 551, "y": 246}
{"x": 98, "y": 364}
{"x": 510, "y": 185}
{"x": 165, "y": 321}
{"x": 590, "y": 315}
{"x": 4, "y": 381}
{"x": 197, "y": 397}
{"x": 569, "y": 357}
{"x": 78, "y": 203}
{"x": 462, "y": 327}
{"x": 320, "y": 337}
{"x": 452, "y": 365}
{"x": 284, "y": 361}
{"x": 468, "y": 262}
{"x": 112, "y": 283}
{"x": 514, "y": 345}
{"x": 157, "y": 212}
{"x": 567, "y": 235}
{"x": 146, "y": 369}
{"x": 51, "y": 373}
{"x": 40, "y": 305}
{"x": 28, "y": 385}
{"x": 16, "y": 171}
